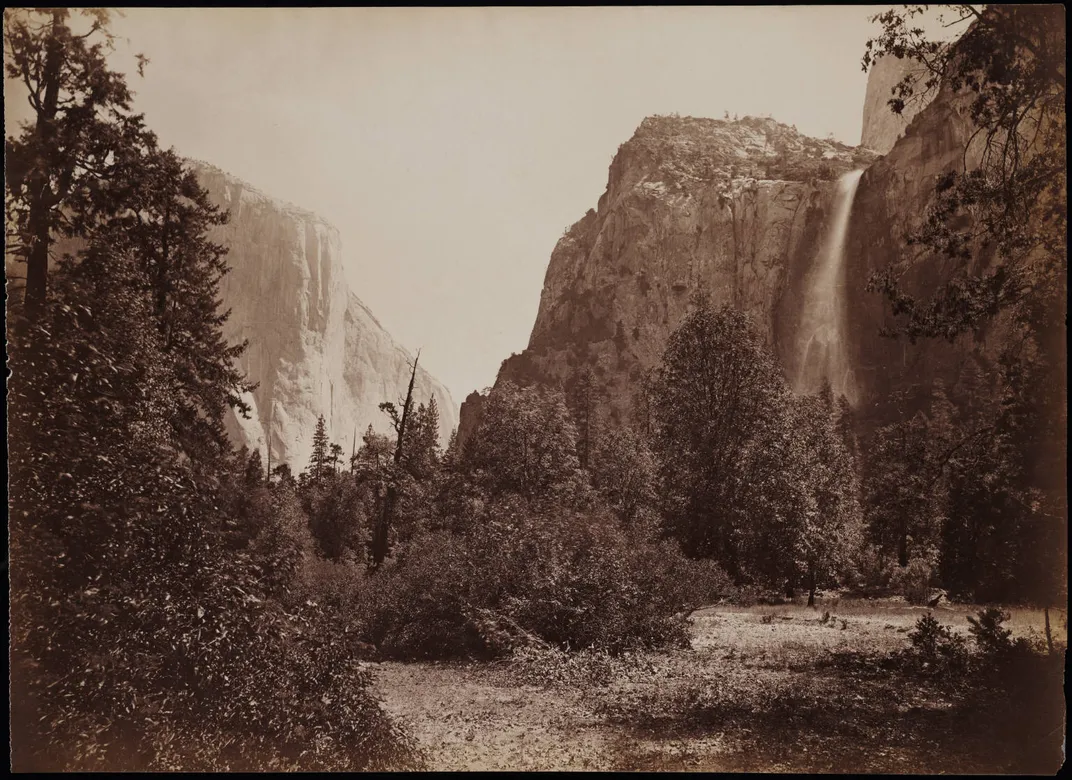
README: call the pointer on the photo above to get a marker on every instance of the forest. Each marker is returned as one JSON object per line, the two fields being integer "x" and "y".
{"x": 178, "y": 603}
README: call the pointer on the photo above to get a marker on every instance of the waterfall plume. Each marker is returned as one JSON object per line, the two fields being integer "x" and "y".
{"x": 822, "y": 352}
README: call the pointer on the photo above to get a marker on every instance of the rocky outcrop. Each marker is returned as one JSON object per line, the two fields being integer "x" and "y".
{"x": 735, "y": 208}
{"x": 469, "y": 417}
{"x": 314, "y": 347}
{"x": 882, "y": 127}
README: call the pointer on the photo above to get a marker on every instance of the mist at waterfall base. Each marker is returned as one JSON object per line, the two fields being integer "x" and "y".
{"x": 821, "y": 341}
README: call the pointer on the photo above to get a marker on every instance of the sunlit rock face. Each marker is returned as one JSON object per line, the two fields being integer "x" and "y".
{"x": 881, "y": 127}
{"x": 736, "y": 208}
{"x": 314, "y": 347}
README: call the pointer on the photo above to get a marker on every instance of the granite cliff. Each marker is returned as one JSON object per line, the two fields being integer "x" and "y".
{"x": 314, "y": 347}
{"x": 881, "y": 127}
{"x": 892, "y": 197}
{"x": 742, "y": 210}
{"x": 737, "y": 208}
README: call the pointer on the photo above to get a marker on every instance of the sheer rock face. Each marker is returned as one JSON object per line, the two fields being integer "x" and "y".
{"x": 314, "y": 347}
{"x": 881, "y": 127}
{"x": 735, "y": 208}
{"x": 890, "y": 202}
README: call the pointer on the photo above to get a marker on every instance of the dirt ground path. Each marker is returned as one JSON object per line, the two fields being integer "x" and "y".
{"x": 477, "y": 716}
{"x": 469, "y": 717}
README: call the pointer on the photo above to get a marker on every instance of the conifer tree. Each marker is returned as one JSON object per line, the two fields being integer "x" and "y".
{"x": 335, "y": 457}
{"x": 165, "y": 225}
{"x": 319, "y": 459}
{"x": 75, "y": 141}
{"x": 254, "y": 469}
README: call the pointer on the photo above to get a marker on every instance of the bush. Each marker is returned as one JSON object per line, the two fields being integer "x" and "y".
{"x": 995, "y": 642}
{"x": 871, "y": 570}
{"x": 184, "y": 643}
{"x": 163, "y": 667}
{"x": 914, "y": 581}
{"x": 986, "y": 630}
{"x": 528, "y": 576}
{"x": 547, "y": 666}
{"x": 936, "y": 647}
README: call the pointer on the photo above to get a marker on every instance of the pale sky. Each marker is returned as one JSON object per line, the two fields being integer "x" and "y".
{"x": 452, "y": 147}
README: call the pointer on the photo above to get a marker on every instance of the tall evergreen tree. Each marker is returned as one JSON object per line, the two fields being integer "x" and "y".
{"x": 335, "y": 458}
{"x": 77, "y": 138}
{"x": 319, "y": 459}
{"x": 165, "y": 225}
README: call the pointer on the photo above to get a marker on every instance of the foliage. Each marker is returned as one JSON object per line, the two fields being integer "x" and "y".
{"x": 531, "y": 575}
{"x": 81, "y": 130}
{"x": 624, "y": 472}
{"x": 761, "y": 482}
{"x": 525, "y": 444}
{"x": 162, "y": 219}
{"x": 714, "y": 401}
{"x": 829, "y": 527}
{"x": 936, "y": 647}
{"x": 988, "y": 633}
{"x": 977, "y": 481}
{"x": 1005, "y": 208}
{"x": 152, "y": 571}
{"x": 318, "y": 461}
{"x": 142, "y": 638}
{"x": 914, "y": 581}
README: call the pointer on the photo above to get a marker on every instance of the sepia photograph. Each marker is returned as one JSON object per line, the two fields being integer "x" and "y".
{"x": 592, "y": 388}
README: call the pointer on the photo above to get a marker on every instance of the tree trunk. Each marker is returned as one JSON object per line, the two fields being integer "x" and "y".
{"x": 811, "y": 589}
{"x": 41, "y": 195}
{"x": 380, "y": 536}
{"x": 383, "y": 527}
{"x": 37, "y": 267}
{"x": 902, "y": 550}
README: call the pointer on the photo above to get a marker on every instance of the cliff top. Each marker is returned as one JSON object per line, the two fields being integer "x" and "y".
{"x": 202, "y": 167}
{"x": 753, "y": 147}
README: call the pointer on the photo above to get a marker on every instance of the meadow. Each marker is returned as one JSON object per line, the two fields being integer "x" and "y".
{"x": 780, "y": 688}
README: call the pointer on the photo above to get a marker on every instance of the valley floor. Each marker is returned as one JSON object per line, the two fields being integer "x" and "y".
{"x": 760, "y": 689}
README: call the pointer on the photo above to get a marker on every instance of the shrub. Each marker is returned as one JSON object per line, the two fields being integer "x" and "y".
{"x": 171, "y": 666}
{"x": 914, "y": 581}
{"x": 871, "y": 570}
{"x": 936, "y": 647}
{"x": 547, "y": 666}
{"x": 529, "y": 576}
{"x": 987, "y": 631}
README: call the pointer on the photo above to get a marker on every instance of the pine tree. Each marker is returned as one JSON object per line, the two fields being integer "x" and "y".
{"x": 165, "y": 225}
{"x": 254, "y": 474}
{"x": 335, "y": 457}
{"x": 319, "y": 459}
{"x": 422, "y": 455}
{"x": 76, "y": 140}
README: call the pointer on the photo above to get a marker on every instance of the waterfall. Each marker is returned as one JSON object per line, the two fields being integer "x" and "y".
{"x": 821, "y": 349}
